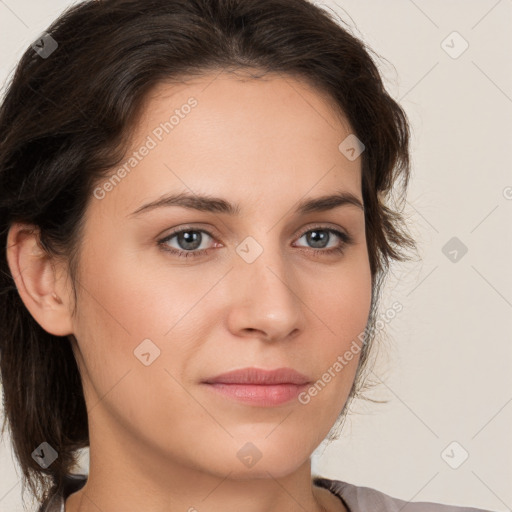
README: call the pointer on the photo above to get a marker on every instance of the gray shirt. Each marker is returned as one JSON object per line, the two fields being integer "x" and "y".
{"x": 355, "y": 498}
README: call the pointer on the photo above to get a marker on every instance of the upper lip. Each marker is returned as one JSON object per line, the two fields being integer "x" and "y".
{"x": 260, "y": 376}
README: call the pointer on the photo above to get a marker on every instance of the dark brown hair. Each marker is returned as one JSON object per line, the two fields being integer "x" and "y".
{"x": 65, "y": 122}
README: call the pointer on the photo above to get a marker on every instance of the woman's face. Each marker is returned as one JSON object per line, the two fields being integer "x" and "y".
{"x": 259, "y": 286}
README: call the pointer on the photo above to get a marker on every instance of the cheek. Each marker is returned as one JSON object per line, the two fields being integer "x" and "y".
{"x": 132, "y": 299}
{"x": 344, "y": 307}
{"x": 128, "y": 309}
{"x": 122, "y": 318}
{"x": 111, "y": 311}
{"x": 345, "y": 299}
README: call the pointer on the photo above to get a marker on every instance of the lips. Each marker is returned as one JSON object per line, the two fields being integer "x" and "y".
{"x": 257, "y": 376}
{"x": 258, "y": 387}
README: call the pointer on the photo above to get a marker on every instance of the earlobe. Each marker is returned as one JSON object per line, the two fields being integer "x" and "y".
{"x": 35, "y": 275}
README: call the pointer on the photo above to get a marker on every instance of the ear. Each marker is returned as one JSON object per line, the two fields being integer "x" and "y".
{"x": 42, "y": 283}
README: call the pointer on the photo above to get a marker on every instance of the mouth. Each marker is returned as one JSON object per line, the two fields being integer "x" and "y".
{"x": 258, "y": 387}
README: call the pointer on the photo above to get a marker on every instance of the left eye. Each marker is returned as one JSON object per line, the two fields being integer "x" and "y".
{"x": 320, "y": 235}
{"x": 190, "y": 240}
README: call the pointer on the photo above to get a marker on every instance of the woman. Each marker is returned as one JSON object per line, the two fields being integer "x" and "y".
{"x": 194, "y": 209}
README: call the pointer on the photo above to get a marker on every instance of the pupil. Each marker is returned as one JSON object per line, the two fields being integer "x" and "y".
{"x": 189, "y": 239}
{"x": 322, "y": 234}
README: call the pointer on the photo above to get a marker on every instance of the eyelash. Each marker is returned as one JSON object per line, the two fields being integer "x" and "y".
{"x": 345, "y": 238}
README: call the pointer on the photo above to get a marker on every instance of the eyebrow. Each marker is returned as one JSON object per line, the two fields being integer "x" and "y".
{"x": 213, "y": 204}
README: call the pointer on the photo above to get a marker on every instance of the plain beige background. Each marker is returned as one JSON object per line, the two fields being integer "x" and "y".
{"x": 446, "y": 364}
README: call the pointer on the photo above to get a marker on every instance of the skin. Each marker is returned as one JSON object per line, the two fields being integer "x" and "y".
{"x": 160, "y": 440}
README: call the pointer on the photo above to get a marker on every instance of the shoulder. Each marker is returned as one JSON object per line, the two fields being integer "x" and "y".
{"x": 359, "y": 499}
{"x": 55, "y": 502}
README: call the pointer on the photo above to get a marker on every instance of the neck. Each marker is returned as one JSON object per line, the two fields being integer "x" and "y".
{"x": 129, "y": 473}
{"x": 113, "y": 484}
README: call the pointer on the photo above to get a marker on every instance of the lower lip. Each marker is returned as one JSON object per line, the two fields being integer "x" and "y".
{"x": 259, "y": 394}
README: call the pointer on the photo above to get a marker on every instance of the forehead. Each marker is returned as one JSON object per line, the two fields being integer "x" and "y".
{"x": 228, "y": 134}
{"x": 281, "y": 103}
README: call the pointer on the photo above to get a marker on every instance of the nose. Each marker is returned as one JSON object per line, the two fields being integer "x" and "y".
{"x": 265, "y": 298}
